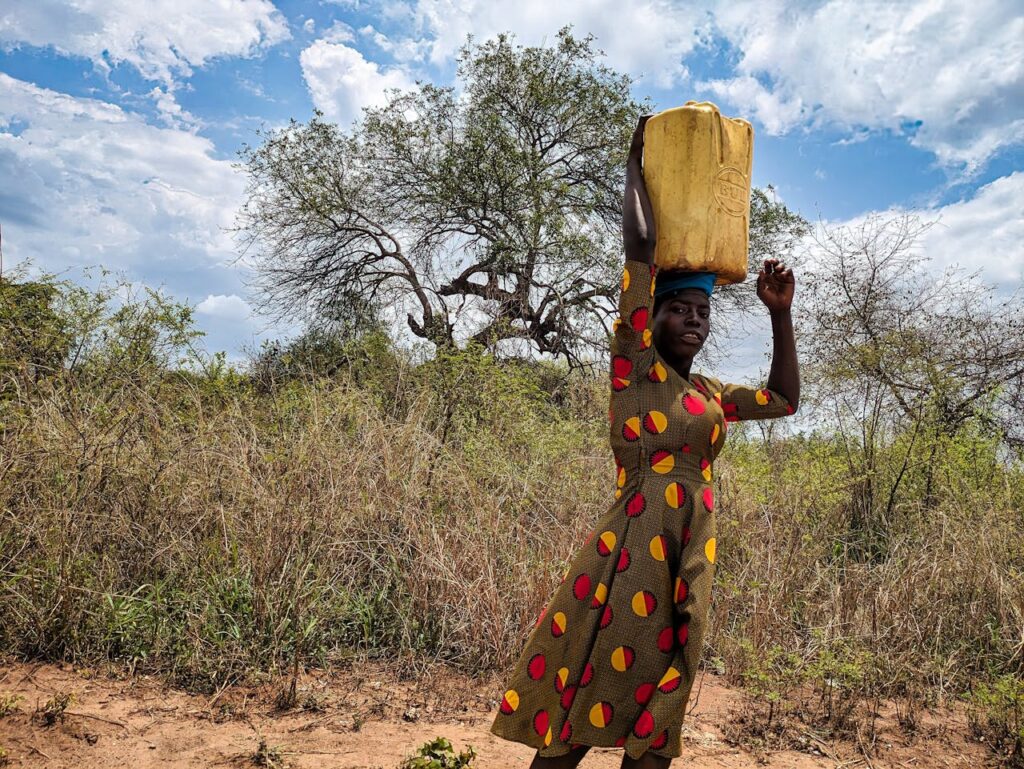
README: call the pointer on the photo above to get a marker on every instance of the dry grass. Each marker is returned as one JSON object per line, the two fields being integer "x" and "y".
{"x": 201, "y": 527}
{"x": 218, "y": 538}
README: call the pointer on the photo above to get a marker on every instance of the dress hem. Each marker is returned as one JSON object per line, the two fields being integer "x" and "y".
{"x": 547, "y": 752}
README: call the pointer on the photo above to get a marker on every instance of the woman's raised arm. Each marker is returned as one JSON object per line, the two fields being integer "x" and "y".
{"x": 638, "y": 232}
{"x": 775, "y": 285}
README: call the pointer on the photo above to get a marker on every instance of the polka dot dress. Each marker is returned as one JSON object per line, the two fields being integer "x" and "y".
{"x": 611, "y": 660}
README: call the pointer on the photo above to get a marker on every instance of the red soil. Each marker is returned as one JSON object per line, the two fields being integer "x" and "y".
{"x": 367, "y": 717}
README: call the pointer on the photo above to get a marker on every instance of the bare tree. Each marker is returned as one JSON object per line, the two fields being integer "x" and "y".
{"x": 900, "y": 359}
{"x": 948, "y": 343}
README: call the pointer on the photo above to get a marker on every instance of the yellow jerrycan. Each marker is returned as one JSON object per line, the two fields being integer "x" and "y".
{"x": 697, "y": 170}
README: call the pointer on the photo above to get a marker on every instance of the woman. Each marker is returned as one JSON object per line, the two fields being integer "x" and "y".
{"x": 613, "y": 656}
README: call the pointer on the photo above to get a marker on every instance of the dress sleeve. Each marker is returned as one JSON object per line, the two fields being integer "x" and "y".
{"x": 632, "y": 344}
{"x": 740, "y": 402}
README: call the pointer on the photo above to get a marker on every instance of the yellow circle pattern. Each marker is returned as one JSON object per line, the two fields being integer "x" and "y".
{"x": 657, "y": 548}
{"x": 619, "y": 661}
{"x": 512, "y": 698}
{"x": 709, "y": 549}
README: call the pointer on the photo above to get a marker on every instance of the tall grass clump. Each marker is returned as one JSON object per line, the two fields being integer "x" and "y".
{"x": 828, "y": 615}
{"x": 164, "y": 510}
{"x": 161, "y": 509}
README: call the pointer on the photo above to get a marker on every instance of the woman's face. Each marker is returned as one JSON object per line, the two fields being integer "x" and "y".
{"x": 681, "y": 324}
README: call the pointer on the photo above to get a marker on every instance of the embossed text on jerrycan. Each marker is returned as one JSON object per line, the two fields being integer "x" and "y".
{"x": 697, "y": 170}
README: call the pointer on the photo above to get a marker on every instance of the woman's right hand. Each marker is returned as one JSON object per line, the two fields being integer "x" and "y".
{"x": 638, "y": 231}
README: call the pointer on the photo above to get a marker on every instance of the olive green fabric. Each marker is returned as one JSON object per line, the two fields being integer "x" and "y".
{"x": 613, "y": 656}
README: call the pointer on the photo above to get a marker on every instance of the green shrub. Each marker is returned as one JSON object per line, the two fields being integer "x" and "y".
{"x": 439, "y": 754}
{"x": 996, "y": 715}
{"x": 9, "y": 704}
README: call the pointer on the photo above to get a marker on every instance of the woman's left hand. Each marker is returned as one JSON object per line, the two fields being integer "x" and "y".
{"x": 775, "y": 285}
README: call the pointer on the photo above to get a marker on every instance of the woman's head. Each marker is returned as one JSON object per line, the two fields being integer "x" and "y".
{"x": 682, "y": 314}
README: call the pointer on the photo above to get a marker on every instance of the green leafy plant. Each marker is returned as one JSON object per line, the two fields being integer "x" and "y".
{"x": 996, "y": 716}
{"x": 268, "y": 755}
{"x": 9, "y": 704}
{"x": 840, "y": 673}
{"x": 54, "y": 708}
{"x": 768, "y": 676}
{"x": 439, "y": 754}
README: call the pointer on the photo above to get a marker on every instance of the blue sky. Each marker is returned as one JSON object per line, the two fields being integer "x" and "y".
{"x": 120, "y": 121}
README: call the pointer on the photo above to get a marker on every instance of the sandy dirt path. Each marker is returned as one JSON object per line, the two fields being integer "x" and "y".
{"x": 367, "y": 717}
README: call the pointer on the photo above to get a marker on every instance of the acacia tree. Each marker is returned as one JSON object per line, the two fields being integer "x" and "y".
{"x": 492, "y": 212}
{"x": 903, "y": 359}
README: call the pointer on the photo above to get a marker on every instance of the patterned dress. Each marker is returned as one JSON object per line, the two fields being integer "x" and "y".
{"x": 611, "y": 659}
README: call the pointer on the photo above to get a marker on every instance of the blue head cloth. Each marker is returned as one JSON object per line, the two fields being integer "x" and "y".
{"x": 669, "y": 281}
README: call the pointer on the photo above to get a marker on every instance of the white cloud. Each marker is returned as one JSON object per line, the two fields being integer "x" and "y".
{"x": 170, "y": 111}
{"x": 161, "y": 38}
{"x": 90, "y": 184}
{"x": 97, "y": 185}
{"x": 339, "y": 32}
{"x": 647, "y": 38}
{"x": 341, "y": 82}
{"x": 946, "y": 73}
{"x": 225, "y": 307}
{"x": 957, "y": 66}
{"x": 984, "y": 233}
{"x": 777, "y": 114}
{"x": 405, "y": 50}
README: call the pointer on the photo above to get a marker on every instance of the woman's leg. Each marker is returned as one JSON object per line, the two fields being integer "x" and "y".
{"x": 568, "y": 761}
{"x": 646, "y": 761}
